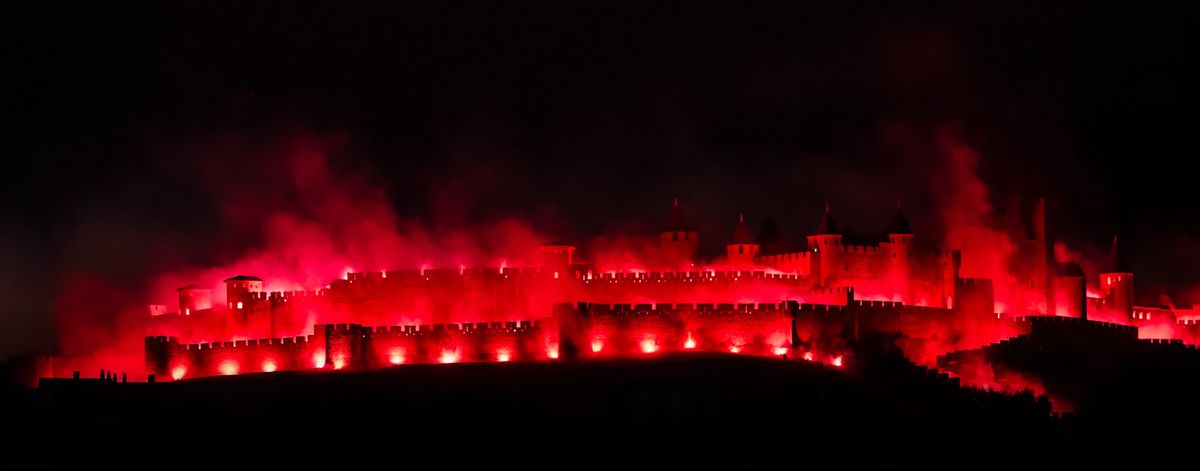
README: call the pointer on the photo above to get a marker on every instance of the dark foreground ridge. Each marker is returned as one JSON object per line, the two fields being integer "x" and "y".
{"x": 686, "y": 409}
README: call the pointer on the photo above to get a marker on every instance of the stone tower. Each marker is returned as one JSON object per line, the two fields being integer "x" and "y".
{"x": 827, "y": 249}
{"x": 679, "y": 242}
{"x": 742, "y": 248}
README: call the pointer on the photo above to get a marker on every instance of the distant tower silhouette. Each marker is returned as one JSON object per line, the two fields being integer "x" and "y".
{"x": 1044, "y": 264}
{"x": 742, "y": 248}
{"x": 679, "y": 241}
{"x": 827, "y": 249}
{"x": 770, "y": 239}
{"x": 900, "y": 235}
{"x": 1116, "y": 284}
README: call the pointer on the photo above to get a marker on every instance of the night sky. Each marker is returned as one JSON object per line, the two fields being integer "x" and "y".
{"x": 127, "y": 127}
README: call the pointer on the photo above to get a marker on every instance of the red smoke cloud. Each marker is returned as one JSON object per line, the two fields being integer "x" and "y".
{"x": 344, "y": 224}
{"x": 968, "y": 218}
{"x": 312, "y": 226}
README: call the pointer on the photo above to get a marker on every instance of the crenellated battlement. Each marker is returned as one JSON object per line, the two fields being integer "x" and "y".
{"x": 981, "y": 283}
{"x": 286, "y": 295}
{"x": 862, "y": 249}
{"x": 1056, "y": 325}
{"x": 682, "y": 276}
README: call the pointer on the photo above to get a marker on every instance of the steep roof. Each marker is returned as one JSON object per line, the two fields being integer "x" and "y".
{"x": 1115, "y": 262}
{"x": 741, "y": 233}
{"x": 898, "y": 224}
{"x": 244, "y": 278}
{"x": 675, "y": 221}
{"x": 770, "y": 238}
{"x": 827, "y": 226}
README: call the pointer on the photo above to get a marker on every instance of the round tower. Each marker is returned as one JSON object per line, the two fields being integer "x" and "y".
{"x": 742, "y": 248}
{"x": 240, "y": 289}
{"x": 679, "y": 241}
{"x": 1116, "y": 285}
{"x": 827, "y": 249}
{"x": 900, "y": 237}
{"x": 1070, "y": 291}
{"x": 193, "y": 299}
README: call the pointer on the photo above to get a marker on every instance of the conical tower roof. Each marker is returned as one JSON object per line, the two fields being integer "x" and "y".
{"x": 1115, "y": 262}
{"x": 898, "y": 224}
{"x": 675, "y": 221}
{"x": 741, "y": 233}
{"x": 827, "y": 226}
{"x": 770, "y": 238}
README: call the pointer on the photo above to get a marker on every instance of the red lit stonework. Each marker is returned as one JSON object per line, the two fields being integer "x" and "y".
{"x": 805, "y": 304}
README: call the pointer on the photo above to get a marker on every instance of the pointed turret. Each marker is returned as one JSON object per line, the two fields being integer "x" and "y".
{"x": 1115, "y": 262}
{"x": 827, "y": 225}
{"x": 742, "y": 248}
{"x": 679, "y": 240}
{"x": 741, "y": 233}
{"x": 770, "y": 239}
{"x": 675, "y": 221}
{"x": 826, "y": 247}
{"x": 898, "y": 224}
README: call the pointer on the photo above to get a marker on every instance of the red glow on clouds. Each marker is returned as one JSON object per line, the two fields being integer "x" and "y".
{"x": 339, "y": 224}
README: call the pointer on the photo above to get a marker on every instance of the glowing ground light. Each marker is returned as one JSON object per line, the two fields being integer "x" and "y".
{"x": 649, "y": 346}
{"x": 396, "y": 356}
{"x": 448, "y": 356}
{"x": 319, "y": 360}
{"x": 228, "y": 367}
{"x": 837, "y": 361}
{"x": 269, "y": 365}
{"x": 178, "y": 372}
{"x": 339, "y": 362}
{"x": 735, "y": 349}
{"x": 552, "y": 352}
{"x": 503, "y": 356}
{"x": 781, "y": 350}
{"x": 690, "y": 343}
{"x": 808, "y": 356}
{"x": 597, "y": 345}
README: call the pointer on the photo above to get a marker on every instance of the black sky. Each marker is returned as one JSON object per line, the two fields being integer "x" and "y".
{"x": 584, "y": 120}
